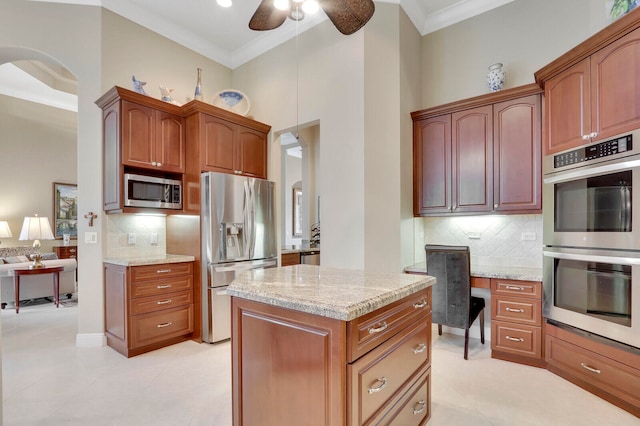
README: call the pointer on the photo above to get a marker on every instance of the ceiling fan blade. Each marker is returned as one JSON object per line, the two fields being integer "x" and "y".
{"x": 266, "y": 17}
{"x": 348, "y": 16}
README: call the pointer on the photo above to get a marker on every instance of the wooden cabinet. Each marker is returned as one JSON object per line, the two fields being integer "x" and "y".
{"x": 152, "y": 139}
{"x": 140, "y": 134}
{"x": 516, "y": 321}
{"x": 479, "y": 155}
{"x": 287, "y": 259}
{"x": 372, "y": 370}
{"x": 591, "y": 92}
{"x": 66, "y": 252}
{"x": 148, "y": 307}
{"x": 611, "y": 372}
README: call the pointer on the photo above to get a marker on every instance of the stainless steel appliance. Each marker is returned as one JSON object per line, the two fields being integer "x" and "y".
{"x": 152, "y": 191}
{"x": 238, "y": 234}
{"x": 591, "y": 256}
{"x": 310, "y": 257}
{"x": 588, "y": 195}
{"x": 594, "y": 290}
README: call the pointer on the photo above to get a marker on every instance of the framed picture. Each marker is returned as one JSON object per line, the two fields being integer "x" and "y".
{"x": 65, "y": 210}
{"x": 296, "y": 201}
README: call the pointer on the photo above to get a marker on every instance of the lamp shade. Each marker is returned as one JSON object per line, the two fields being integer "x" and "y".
{"x": 36, "y": 228}
{"x": 5, "y": 231}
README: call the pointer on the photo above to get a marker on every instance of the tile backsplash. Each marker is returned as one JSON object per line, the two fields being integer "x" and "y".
{"x": 509, "y": 240}
{"x": 119, "y": 226}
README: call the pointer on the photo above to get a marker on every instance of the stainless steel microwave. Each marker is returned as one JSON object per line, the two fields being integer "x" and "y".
{"x": 152, "y": 192}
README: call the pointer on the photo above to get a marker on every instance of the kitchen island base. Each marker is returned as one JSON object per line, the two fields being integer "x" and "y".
{"x": 293, "y": 367}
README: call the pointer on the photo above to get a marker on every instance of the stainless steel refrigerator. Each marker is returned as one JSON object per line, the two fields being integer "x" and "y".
{"x": 238, "y": 234}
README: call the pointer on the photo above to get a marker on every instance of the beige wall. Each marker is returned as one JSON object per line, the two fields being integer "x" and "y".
{"x": 524, "y": 35}
{"x": 38, "y": 147}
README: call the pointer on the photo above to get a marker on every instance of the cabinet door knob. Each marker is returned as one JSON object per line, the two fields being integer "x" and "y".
{"x": 495, "y": 206}
{"x": 158, "y": 164}
{"x": 153, "y": 163}
{"x": 585, "y": 137}
{"x": 593, "y": 135}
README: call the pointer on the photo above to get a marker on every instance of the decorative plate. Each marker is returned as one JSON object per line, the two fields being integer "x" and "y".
{"x": 232, "y": 100}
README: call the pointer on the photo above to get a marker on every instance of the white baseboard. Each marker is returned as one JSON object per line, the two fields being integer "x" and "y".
{"x": 90, "y": 340}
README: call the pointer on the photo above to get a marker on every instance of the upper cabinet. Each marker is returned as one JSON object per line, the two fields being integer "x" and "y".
{"x": 479, "y": 155}
{"x": 591, "y": 92}
{"x": 152, "y": 138}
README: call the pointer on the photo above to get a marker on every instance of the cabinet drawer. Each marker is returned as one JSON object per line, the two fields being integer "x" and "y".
{"x": 516, "y": 339}
{"x": 290, "y": 259}
{"x": 147, "y": 272}
{"x": 522, "y": 311}
{"x": 156, "y": 327}
{"x": 614, "y": 378}
{"x": 414, "y": 408}
{"x": 529, "y": 289}
{"x": 368, "y": 331}
{"x": 160, "y": 287}
{"x": 159, "y": 303}
{"x": 379, "y": 375}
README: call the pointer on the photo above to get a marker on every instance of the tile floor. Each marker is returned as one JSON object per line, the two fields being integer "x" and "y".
{"x": 48, "y": 381}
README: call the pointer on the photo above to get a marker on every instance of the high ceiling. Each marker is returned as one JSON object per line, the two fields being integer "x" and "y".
{"x": 223, "y": 34}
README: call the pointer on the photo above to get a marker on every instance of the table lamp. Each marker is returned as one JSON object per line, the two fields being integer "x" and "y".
{"x": 36, "y": 228}
{"x": 5, "y": 231}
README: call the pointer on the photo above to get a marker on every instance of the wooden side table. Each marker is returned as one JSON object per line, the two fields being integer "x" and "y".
{"x": 17, "y": 273}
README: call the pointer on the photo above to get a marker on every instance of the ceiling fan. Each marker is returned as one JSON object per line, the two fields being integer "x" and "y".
{"x": 348, "y": 16}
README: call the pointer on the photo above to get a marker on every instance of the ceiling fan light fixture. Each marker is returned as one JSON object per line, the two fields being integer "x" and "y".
{"x": 224, "y": 3}
{"x": 281, "y": 4}
{"x": 310, "y": 6}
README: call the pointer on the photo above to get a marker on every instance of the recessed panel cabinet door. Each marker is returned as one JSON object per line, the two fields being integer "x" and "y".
{"x": 615, "y": 86}
{"x": 217, "y": 149}
{"x": 517, "y": 154}
{"x": 170, "y": 143}
{"x": 138, "y": 135}
{"x": 472, "y": 153}
{"x": 251, "y": 157}
{"x": 432, "y": 165}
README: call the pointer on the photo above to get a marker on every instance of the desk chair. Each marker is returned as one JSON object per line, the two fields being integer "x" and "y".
{"x": 453, "y": 304}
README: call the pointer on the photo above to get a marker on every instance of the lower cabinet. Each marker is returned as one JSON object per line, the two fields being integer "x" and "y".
{"x": 371, "y": 370}
{"x": 516, "y": 321}
{"x": 611, "y": 373}
{"x": 148, "y": 307}
{"x": 287, "y": 259}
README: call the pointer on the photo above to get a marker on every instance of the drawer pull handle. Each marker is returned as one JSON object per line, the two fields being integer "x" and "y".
{"x": 419, "y": 407}
{"x": 164, "y": 302}
{"x": 164, "y": 286}
{"x": 514, "y": 287}
{"x": 515, "y": 339}
{"x": 513, "y": 310}
{"x": 166, "y": 324}
{"x": 593, "y": 370}
{"x": 420, "y": 348}
{"x": 382, "y": 327}
{"x": 383, "y": 383}
{"x": 420, "y": 305}
{"x": 163, "y": 271}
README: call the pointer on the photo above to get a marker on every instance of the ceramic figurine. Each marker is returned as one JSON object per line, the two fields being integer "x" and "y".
{"x": 166, "y": 95}
{"x": 138, "y": 85}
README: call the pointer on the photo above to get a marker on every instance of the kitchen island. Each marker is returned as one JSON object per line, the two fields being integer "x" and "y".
{"x": 326, "y": 346}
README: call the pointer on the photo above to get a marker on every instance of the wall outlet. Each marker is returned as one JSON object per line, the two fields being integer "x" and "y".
{"x": 154, "y": 238}
{"x": 474, "y": 235}
{"x": 131, "y": 238}
{"x": 91, "y": 237}
{"x": 528, "y": 236}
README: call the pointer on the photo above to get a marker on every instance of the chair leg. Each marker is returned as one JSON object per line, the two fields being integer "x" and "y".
{"x": 439, "y": 329}
{"x": 466, "y": 343}
{"x": 482, "y": 326}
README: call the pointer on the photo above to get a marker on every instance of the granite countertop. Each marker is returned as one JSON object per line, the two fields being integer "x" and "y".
{"x": 342, "y": 294}
{"x": 304, "y": 248}
{"x": 486, "y": 271}
{"x": 148, "y": 260}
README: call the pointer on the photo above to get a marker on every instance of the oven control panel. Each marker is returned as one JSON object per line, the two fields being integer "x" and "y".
{"x": 592, "y": 152}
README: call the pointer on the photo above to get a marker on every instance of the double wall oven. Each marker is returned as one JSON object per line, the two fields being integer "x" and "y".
{"x": 591, "y": 234}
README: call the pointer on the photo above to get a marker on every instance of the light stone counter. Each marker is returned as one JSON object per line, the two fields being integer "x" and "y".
{"x": 485, "y": 271}
{"x": 148, "y": 260}
{"x": 342, "y": 294}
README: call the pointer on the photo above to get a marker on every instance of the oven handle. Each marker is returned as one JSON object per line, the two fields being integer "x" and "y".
{"x": 592, "y": 258}
{"x": 591, "y": 171}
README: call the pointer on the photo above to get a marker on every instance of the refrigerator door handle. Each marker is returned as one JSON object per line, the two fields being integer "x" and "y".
{"x": 243, "y": 266}
{"x": 222, "y": 291}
